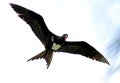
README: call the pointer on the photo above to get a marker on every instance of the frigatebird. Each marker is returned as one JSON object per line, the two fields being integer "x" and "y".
{"x": 52, "y": 42}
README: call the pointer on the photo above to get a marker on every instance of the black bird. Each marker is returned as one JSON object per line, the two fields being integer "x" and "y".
{"x": 52, "y": 42}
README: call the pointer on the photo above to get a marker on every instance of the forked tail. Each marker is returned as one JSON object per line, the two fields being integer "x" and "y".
{"x": 45, "y": 55}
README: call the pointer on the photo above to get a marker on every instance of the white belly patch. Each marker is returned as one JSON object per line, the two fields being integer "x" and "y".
{"x": 56, "y": 46}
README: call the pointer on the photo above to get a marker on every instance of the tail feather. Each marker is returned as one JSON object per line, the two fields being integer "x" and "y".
{"x": 48, "y": 59}
{"x": 45, "y": 55}
{"x": 40, "y": 55}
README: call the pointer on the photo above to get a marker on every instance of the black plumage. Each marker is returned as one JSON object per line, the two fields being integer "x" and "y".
{"x": 52, "y": 42}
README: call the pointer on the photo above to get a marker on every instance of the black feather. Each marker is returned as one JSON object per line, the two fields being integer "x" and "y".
{"x": 48, "y": 39}
{"x": 84, "y": 49}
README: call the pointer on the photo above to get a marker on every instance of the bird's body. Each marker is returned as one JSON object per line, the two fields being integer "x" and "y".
{"x": 52, "y": 42}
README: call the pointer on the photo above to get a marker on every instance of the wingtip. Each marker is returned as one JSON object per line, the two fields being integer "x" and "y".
{"x": 108, "y": 63}
{"x": 11, "y": 4}
{"x": 104, "y": 60}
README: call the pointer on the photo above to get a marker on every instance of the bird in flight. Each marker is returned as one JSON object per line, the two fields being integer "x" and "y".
{"x": 52, "y": 42}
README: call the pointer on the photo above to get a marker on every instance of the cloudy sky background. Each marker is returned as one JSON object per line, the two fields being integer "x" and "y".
{"x": 96, "y": 22}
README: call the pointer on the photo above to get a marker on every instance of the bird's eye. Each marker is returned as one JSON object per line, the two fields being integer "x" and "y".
{"x": 66, "y": 36}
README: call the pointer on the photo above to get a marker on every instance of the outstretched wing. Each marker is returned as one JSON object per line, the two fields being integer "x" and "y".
{"x": 84, "y": 49}
{"x": 35, "y": 21}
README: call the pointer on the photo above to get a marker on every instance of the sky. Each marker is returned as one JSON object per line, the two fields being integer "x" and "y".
{"x": 92, "y": 21}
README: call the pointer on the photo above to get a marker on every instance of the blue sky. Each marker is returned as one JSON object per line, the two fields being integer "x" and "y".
{"x": 94, "y": 21}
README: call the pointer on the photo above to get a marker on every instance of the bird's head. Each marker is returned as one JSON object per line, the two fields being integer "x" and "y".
{"x": 65, "y": 36}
